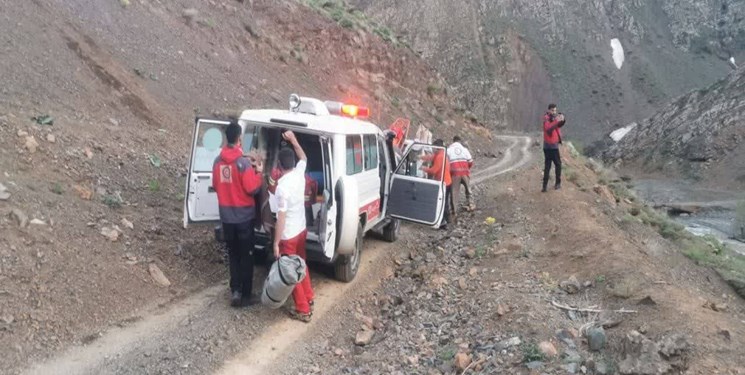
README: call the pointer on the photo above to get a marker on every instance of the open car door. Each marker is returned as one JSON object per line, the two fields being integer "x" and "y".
{"x": 414, "y": 196}
{"x": 200, "y": 199}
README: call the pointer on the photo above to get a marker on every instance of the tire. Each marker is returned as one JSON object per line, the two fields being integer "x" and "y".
{"x": 390, "y": 231}
{"x": 346, "y": 266}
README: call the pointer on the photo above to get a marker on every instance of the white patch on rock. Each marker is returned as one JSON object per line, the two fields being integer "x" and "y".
{"x": 618, "y": 134}
{"x": 618, "y": 55}
{"x": 732, "y": 62}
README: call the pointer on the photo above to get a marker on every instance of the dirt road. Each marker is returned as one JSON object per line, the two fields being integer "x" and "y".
{"x": 202, "y": 334}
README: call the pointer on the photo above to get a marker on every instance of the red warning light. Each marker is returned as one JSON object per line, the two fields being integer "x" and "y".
{"x": 354, "y": 111}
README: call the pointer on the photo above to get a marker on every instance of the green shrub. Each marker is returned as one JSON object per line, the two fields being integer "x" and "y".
{"x": 531, "y": 353}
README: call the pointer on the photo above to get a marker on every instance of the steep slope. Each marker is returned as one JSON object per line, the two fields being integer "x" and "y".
{"x": 103, "y": 184}
{"x": 700, "y": 136}
{"x": 507, "y": 59}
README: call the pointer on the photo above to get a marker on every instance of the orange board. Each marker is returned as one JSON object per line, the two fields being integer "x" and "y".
{"x": 401, "y": 128}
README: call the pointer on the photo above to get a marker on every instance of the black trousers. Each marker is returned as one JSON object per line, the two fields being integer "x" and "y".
{"x": 551, "y": 156}
{"x": 241, "y": 241}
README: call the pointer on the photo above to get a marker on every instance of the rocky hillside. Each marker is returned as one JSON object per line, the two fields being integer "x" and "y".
{"x": 96, "y": 117}
{"x": 506, "y": 59}
{"x": 700, "y": 136}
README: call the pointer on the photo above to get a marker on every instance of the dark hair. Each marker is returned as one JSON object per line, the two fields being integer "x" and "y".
{"x": 438, "y": 142}
{"x": 286, "y": 158}
{"x": 233, "y": 133}
{"x": 551, "y": 106}
{"x": 456, "y": 139}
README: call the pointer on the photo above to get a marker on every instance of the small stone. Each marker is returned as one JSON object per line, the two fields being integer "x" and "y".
{"x": 127, "y": 224}
{"x": 110, "y": 233}
{"x": 502, "y": 310}
{"x": 534, "y": 365}
{"x": 84, "y": 193}
{"x": 596, "y": 339}
{"x": 570, "y": 285}
{"x": 37, "y": 222}
{"x": 20, "y": 217}
{"x": 473, "y": 271}
{"x": 462, "y": 283}
{"x": 88, "y": 153}
{"x": 189, "y": 13}
{"x": 548, "y": 349}
{"x": 571, "y": 356}
{"x": 571, "y": 368}
{"x": 31, "y": 144}
{"x": 22, "y": 133}
{"x": 364, "y": 337}
{"x": 4, "y": 195}
{"x": 158, "y": 275}
{"x": 338, "y": 352}
{"x": 601, "y": 368}
{"x": 51, "y": 138}
{"x": 462, "y": 360}
{"x": 470, "y": 253}
{"x": 114, "y": 121}
{"x": 515, "y": 341}
{"x": 413, "y": 360}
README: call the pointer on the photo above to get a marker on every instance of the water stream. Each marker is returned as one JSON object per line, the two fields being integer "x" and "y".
{"x": 715, "y": 212}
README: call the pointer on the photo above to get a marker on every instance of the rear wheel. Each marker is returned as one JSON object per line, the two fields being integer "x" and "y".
{"x": 346, "y": 266}
{"x": 390, "y": 231}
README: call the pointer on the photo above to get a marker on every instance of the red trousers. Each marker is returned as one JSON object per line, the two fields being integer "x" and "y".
{"x": 303, "y": 293}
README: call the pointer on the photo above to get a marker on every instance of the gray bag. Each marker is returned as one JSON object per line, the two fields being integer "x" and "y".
{"x": 284, "y": 274}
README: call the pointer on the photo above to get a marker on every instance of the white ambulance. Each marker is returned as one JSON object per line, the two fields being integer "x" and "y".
{"x": 360, "y": 185}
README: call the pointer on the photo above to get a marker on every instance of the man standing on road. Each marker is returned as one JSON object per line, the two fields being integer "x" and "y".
{"x": 552, "y": 123}
{"x": 291, "y": 232}
{"x": 461, "y": 163}
{"x": 440, "y": 170}
{"x": 235, "y": 181}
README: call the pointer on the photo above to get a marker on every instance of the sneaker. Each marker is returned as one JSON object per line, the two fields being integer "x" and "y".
{"x": 557, "y": 187}
{"x": 236, "y": 299}
{"x": 544, "y": 190}
{"x": 305, "y": 318}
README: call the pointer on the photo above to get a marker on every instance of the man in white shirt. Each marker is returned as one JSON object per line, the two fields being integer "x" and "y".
{"x": 461, "y": 163}
{"x": 291, "y": 232}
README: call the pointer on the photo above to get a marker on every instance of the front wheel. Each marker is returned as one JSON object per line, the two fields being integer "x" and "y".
{"x": 346, "y": 266}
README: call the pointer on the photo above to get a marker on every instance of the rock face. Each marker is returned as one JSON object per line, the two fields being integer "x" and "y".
{"x": 643, "y": 356}
{"x": 507, "y": 59}
{"x": 700, "y": 135}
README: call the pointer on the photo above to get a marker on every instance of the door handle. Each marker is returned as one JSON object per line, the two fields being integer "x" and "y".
{"x": 210, "y": 189}
{"x": 203, "y": 177}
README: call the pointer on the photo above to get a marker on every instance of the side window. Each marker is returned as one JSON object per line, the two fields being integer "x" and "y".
{"x": 417, "y": 158}
{"x": 210, "y": 140}
{"x": 371, "y": 152}
{"x": 354, "y": 154}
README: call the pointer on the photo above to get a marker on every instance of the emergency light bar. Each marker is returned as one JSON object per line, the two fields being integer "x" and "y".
{"x": 347, "y": 110}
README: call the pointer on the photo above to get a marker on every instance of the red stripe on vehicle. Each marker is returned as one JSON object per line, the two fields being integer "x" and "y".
{"x": 372, "y": 209}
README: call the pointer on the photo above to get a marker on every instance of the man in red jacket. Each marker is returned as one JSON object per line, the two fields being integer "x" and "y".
{"x": 235, "y": 181}
{"x": 552, "y": 123}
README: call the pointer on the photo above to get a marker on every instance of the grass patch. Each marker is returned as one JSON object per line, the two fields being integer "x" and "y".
{"x": 57, "y": 189}
{"x": 446, "y": 354}
{"x": 433, "y": 89}
{"x": 664, "y": 225}
{"x": 349, "y": 17}
{"x": 153, "y": 185}
{"x": 531, "y": 352}
{"x": 396, "y": 102}
{"x": 112, "y": 201}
